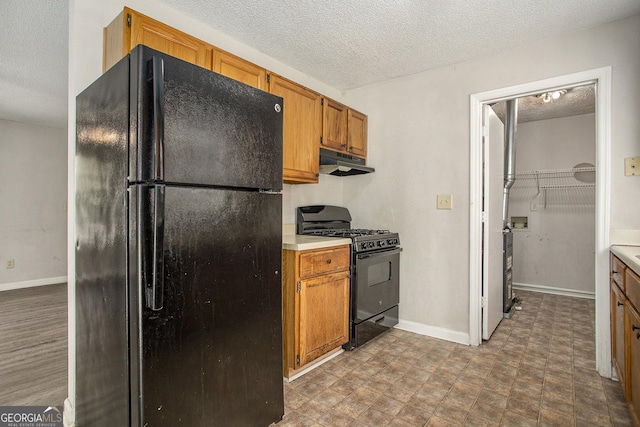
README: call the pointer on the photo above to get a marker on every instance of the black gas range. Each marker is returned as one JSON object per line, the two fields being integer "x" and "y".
{"x": 375, "y": 269}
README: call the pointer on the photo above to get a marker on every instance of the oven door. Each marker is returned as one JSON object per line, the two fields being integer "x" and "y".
{"x": 377, "y": 283}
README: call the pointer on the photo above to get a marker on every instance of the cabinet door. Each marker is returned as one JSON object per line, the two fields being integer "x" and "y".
{"x": 633, "y": 366}
{"x": 302, "y": 129}
{"x": 131, "y": 28}
{"x": 334, "y": 125}
{"x": 357, "y": 133}
{"x": 617, "y": 333}
{"x": 324, "y": 315}
{"x": 159, "y": 36}
{"x": 238, "y": 69}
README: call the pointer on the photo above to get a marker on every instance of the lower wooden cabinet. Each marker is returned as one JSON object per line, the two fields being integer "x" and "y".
{"x": 633, "y": 365}
{"x": 617, "y": 332}
{"x": 315, "y": 304}
{"x": 625, "y": 332}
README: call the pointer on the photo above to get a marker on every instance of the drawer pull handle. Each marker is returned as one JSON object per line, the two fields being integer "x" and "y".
{"x": 620, "y": 303}
{"x": 638, "y": 335}
{"x": 329, "y": 261}
{"x": 634, "y": 327}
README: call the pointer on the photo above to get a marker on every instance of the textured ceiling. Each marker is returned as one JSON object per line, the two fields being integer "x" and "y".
{"x": 350, "y": 44}
{"x": 34, "y": 54}
{"x": 345, "y": 44}
{"x": 579, "y": 100}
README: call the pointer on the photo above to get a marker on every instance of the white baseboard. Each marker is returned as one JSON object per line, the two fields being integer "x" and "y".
{"x": 69, "y": 414}
{"x": 33, "y": 283}
{"x": 434, "y": 331}
{"x": 553, "y": 290}
{"x": 314, "y": 365}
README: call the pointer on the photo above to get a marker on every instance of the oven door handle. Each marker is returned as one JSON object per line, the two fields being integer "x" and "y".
{"x": 383, "y": 252}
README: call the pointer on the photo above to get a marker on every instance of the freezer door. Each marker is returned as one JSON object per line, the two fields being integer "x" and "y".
{"x": 194, "y": 126}
{"x": 208, "y": 340}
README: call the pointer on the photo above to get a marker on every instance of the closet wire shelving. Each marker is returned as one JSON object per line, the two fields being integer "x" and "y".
{"x": 550, "y": 187}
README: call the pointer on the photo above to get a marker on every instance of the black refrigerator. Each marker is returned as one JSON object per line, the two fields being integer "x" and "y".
{"x": 178, "y": 248}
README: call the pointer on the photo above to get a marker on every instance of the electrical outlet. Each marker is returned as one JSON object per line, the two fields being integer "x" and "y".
{"x": 444, "y": 201}
{"x": 11, "y": 263}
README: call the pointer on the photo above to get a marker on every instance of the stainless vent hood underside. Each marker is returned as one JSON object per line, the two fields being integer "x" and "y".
{"x": 340, "y": 164}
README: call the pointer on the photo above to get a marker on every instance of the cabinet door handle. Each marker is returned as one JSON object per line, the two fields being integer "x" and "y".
{"x": 634, "y": 327}
{"x": 620, "y": 303}
{"x": 329, "y": 261}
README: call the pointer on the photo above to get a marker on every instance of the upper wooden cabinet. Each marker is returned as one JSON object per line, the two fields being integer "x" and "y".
{"x": 357, "y": 133}
{"x": 334, "y": 125}
{"x": 238, "y": 69}
{"x": 301, "y": 130}
{"x": 307, "y": 121}
{"x": 343, "y": 129}
{"x": 131, "y": 28}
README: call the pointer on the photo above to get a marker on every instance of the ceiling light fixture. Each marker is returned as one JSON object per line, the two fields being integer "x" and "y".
{"x": 551, "y": 96}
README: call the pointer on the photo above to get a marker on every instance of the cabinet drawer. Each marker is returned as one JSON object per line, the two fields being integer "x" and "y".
{"x": 617, "y": 271}
{"x": 632, "y": 282}
{"x": 323, "y": 261}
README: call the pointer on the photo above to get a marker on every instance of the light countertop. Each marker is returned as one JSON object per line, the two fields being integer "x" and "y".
{"x": 627, "y": 254}
{"x": 297, "y": 242}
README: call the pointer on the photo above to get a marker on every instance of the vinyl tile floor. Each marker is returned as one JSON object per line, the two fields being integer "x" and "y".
{"x": 538, "y": 369}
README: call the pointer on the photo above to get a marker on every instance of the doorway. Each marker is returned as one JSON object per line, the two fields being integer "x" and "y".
{"x": 601, "y": 78}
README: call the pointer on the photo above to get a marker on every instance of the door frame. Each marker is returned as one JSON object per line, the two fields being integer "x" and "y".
{"x": 601, "y": 77}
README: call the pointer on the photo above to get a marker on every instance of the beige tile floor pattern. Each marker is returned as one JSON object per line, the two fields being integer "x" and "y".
{"x": 538, "y": 369}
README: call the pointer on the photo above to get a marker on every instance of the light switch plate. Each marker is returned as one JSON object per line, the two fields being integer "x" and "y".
{"x": 444, "y": 201}
{"x": 632, "y": 166}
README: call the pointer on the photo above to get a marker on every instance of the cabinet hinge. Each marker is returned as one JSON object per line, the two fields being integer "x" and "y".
{"x": 321, "y": 142}
{"x": 297, "y": 359}
{"x": 268, "y": 78}
{"x": 299, "y": 287}
{"x": 483, "y": 217}
{"x": 128, "y": 20}
{"x": 321, "y": 101}
{"x": 484, "y": 302}
{"x": 485, "y": 131}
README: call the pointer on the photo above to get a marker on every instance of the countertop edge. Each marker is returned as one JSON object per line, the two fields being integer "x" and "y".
{"x": 296, "y": 242}
{"x": 627, "y": 254}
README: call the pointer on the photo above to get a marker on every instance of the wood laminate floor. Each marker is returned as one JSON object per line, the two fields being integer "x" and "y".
{"x": 33, "y": 346}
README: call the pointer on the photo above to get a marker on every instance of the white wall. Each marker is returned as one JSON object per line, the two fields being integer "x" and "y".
{"x": 558, "y": 248}
{"x": 419, "y": 143}
{"x": 33, "y": 197}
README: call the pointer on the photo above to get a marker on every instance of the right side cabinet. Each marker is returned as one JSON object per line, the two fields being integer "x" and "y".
{"x": 343, "y": 129}
{"x": 625, "y": 332}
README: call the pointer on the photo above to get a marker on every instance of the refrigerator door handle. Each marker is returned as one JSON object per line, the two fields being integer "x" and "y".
{"x": 155, "y": 282}
{"x": 158, "y": 116}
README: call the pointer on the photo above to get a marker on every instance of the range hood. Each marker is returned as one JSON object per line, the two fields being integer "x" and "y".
{"x": 340, "y": 164}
